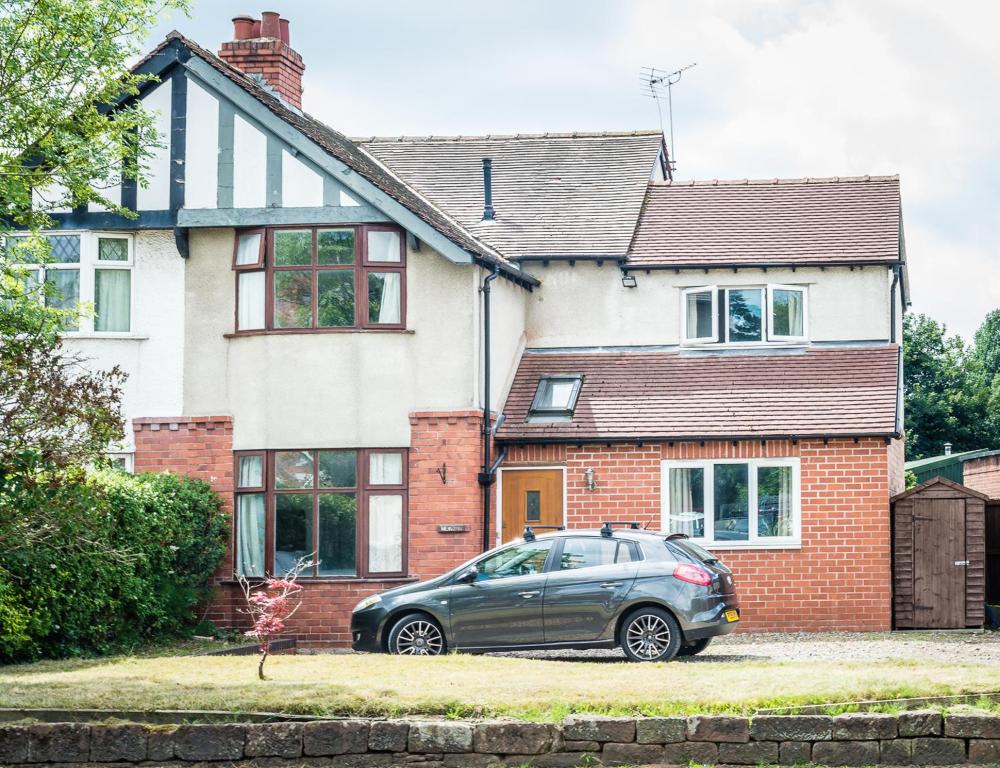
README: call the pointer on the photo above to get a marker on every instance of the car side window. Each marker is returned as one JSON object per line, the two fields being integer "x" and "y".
{"x": 523, "y": 560}
{"x": 587, "y": 553}
{"x": 628, "y": 552}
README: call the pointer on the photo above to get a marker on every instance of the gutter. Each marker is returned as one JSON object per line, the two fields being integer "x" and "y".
{"x": 638, "y": 267}
{"x": 659, "y": 439}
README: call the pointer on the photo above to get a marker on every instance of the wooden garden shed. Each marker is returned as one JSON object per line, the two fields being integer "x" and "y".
{"x": 939, "y": 556}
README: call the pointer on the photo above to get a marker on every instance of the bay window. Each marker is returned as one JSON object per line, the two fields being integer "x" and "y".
{"x": 726, "y": 502}
{"x": 743, "y": 314}
{"x": 343, "y": 509}
{"x": 320, "y": 278}
{"x": 90, "y": 267}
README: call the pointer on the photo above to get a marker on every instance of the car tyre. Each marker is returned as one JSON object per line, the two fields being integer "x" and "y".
{"x": 694, "y": 647}
{"x": 650, "y": 634}
{"x": 417, "y": 634}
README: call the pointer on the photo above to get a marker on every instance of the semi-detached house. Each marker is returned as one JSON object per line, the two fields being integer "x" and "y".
{"x": 395, "y": 352}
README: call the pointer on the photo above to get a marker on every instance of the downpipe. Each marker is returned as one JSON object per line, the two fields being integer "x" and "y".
{"x": 488, "y": 469}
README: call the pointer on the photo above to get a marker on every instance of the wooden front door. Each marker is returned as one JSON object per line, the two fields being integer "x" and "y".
{"x": 530, "y": 497}
{"x": 939, "y": 563}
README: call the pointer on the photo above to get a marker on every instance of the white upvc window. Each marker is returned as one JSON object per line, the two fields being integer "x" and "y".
{"x": 700, "y": 315}
{"x": 94, "y": 268}
{"x": 788, "y": 318}
{"x": 742, "y": 315}
{"x": 732, "y": 503}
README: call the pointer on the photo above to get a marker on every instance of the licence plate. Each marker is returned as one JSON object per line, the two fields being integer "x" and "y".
{"x": 732, "y": 615}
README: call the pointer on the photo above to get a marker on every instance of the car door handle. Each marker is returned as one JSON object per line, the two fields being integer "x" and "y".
{"x": 528, "y": 595}
{"x": 610, "y": 584}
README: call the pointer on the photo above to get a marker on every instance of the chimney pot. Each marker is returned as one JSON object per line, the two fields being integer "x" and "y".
{"x": 242, "y": 27}
{"x": 947, "y": 449}
{"x": 270, "y": 24}
{"x": 285, "y": 35}
{"x": 256, "y": 28}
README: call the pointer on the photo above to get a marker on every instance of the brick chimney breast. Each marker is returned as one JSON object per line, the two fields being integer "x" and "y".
{"x": 261, "y": 47}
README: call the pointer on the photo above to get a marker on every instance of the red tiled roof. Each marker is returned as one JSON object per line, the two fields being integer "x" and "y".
{"x": 777, "y": 221}
{"x": 655, "y": 395}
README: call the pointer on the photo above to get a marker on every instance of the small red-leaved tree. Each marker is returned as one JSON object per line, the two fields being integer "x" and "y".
{"x": 270, "y": 606}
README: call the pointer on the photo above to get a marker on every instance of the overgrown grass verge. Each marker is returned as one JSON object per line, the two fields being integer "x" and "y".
{"x": 472, "y": 686}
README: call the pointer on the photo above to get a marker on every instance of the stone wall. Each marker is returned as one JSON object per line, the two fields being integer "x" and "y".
{"x": 923, "y": 737}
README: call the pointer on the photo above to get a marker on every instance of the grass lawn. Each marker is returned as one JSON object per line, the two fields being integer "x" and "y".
{"x": 464, "y": 686}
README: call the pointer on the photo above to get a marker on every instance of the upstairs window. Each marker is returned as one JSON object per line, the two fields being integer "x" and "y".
{"x": 744, "y": 314}
{"x": 90, "y": 267}
{"x": 556, "y": 396}
{"x": 320, "y": 278}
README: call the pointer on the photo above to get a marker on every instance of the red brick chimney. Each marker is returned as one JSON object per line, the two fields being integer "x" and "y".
{"x": 261, "y": 47}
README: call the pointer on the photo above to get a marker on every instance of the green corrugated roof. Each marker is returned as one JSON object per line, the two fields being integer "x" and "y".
{"x": 937, "y": 462}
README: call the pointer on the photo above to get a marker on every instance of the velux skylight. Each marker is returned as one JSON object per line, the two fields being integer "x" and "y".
{"x": 556, "y": 396}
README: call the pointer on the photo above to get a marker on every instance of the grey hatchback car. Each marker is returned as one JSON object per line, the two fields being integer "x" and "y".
{"x": 655, "y": 596}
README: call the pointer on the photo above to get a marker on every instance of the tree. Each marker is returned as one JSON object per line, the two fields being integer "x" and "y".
{"x": 63, "y": 65}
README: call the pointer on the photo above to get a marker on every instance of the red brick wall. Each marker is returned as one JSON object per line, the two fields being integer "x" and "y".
{"x": 983, "y": 475}
{"x": 279, "y": 65}
{"x": 840, "y": 577}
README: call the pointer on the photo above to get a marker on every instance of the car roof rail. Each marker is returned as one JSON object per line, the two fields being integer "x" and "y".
{"x": 529, "y": 530}
{"x": 607, "y": 529}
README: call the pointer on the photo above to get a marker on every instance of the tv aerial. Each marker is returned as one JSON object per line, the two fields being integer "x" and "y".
{"x": 657, "y": 83}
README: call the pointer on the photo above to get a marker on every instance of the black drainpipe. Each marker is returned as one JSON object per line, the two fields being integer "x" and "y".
{"x": 892, "y": 304}
{"x": 486, "y": 476}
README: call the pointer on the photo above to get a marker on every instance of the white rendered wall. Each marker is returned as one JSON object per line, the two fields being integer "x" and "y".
{"x": 301, "y": 187}
{"x": 153, "y": 353}
{"x": 586, "y": 305}
{"x": 249, "y": 165}
{"x": 201, "y": 175}
{"x": 155, "y": 196}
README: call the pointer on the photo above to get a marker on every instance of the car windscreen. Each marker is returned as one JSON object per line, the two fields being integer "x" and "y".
{"x": 691, "y": 549}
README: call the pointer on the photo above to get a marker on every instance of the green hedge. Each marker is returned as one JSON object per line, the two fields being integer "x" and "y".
{"x": 128, "y": 563}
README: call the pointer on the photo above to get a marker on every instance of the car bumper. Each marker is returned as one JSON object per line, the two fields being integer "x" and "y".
{"x": 715, "y": 620}
{"x": 366, "y": 629}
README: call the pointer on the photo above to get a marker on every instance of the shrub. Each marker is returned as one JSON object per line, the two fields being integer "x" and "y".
{"x": 135, "y": 572}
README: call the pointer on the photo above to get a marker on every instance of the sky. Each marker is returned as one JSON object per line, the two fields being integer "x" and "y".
{"x": 782, "y": 88}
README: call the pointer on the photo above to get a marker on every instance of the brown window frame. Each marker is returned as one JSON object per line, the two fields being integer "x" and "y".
{"x": 255, "y": 265}
{"x": 362, "y": 490}
{"x": 361, "y": 267}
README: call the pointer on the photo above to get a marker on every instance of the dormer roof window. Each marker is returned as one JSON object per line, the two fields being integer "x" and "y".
{"x": 555, "y": 397}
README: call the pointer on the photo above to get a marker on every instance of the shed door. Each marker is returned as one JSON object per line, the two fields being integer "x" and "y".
{"x": 939, "y": 563}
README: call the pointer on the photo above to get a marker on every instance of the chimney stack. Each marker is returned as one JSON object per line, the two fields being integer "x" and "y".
{"x": 262, "y": 47}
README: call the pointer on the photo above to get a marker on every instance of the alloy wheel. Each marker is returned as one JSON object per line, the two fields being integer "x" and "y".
{"x": 419, "y": 638}
{"x": 648, "y": 636}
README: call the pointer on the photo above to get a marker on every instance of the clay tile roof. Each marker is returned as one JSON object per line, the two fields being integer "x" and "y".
{"x": 555, "y": 194}
{"x": 769, "y": 221}
{"x": 671, "y": 394}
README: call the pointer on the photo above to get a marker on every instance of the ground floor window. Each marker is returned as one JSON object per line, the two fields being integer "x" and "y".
{"x": 343, "y": 508}
{"x": 732, "y": 503}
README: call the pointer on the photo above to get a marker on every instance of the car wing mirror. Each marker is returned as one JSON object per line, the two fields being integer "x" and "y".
{"x": 468, "y": 575}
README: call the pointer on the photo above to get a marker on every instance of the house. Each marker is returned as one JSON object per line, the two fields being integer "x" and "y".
{"x": 979, "y": 470}
{"x": 396, "y": 352}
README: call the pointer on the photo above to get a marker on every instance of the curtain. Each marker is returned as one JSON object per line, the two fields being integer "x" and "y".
{"x": 784, "y": 519}
{"x": 795, "y": 327}
{"x": 385, "y": 534}
{"x": 389, "y": 304}
{"x": 251, "y": 472}
{"x": 249, "y": 249}
{"x": 250, "y": 534}
{"x": 251, "y": 309}
{"x": 692, "y": 316}
{"x": 687, "y": 493}
{"x": 383, "y": 246}
{"x": 385, "y": 469}
{"x": 112, "y": 299}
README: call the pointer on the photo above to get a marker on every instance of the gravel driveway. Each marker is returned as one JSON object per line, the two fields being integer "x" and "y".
{"x": 969, "y": 647}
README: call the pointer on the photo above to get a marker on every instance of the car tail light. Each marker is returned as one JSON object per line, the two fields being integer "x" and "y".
{"x": 692, "y": 574}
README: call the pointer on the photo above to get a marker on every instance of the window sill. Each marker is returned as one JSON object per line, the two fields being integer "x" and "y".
{"x": 337, "y": 580}
{"x": 108, "y": 335}
{"x": 312, "y": 331}
{"x": 717, "y": 546}
{"x": 715, "y": 346}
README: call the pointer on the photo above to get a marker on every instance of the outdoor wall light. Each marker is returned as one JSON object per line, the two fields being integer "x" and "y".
{"x": 628, "y": 280}
{"x": 588, "y": 479}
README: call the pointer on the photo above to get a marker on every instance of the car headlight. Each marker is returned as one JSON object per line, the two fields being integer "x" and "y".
{"x": 368, "y": 602}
